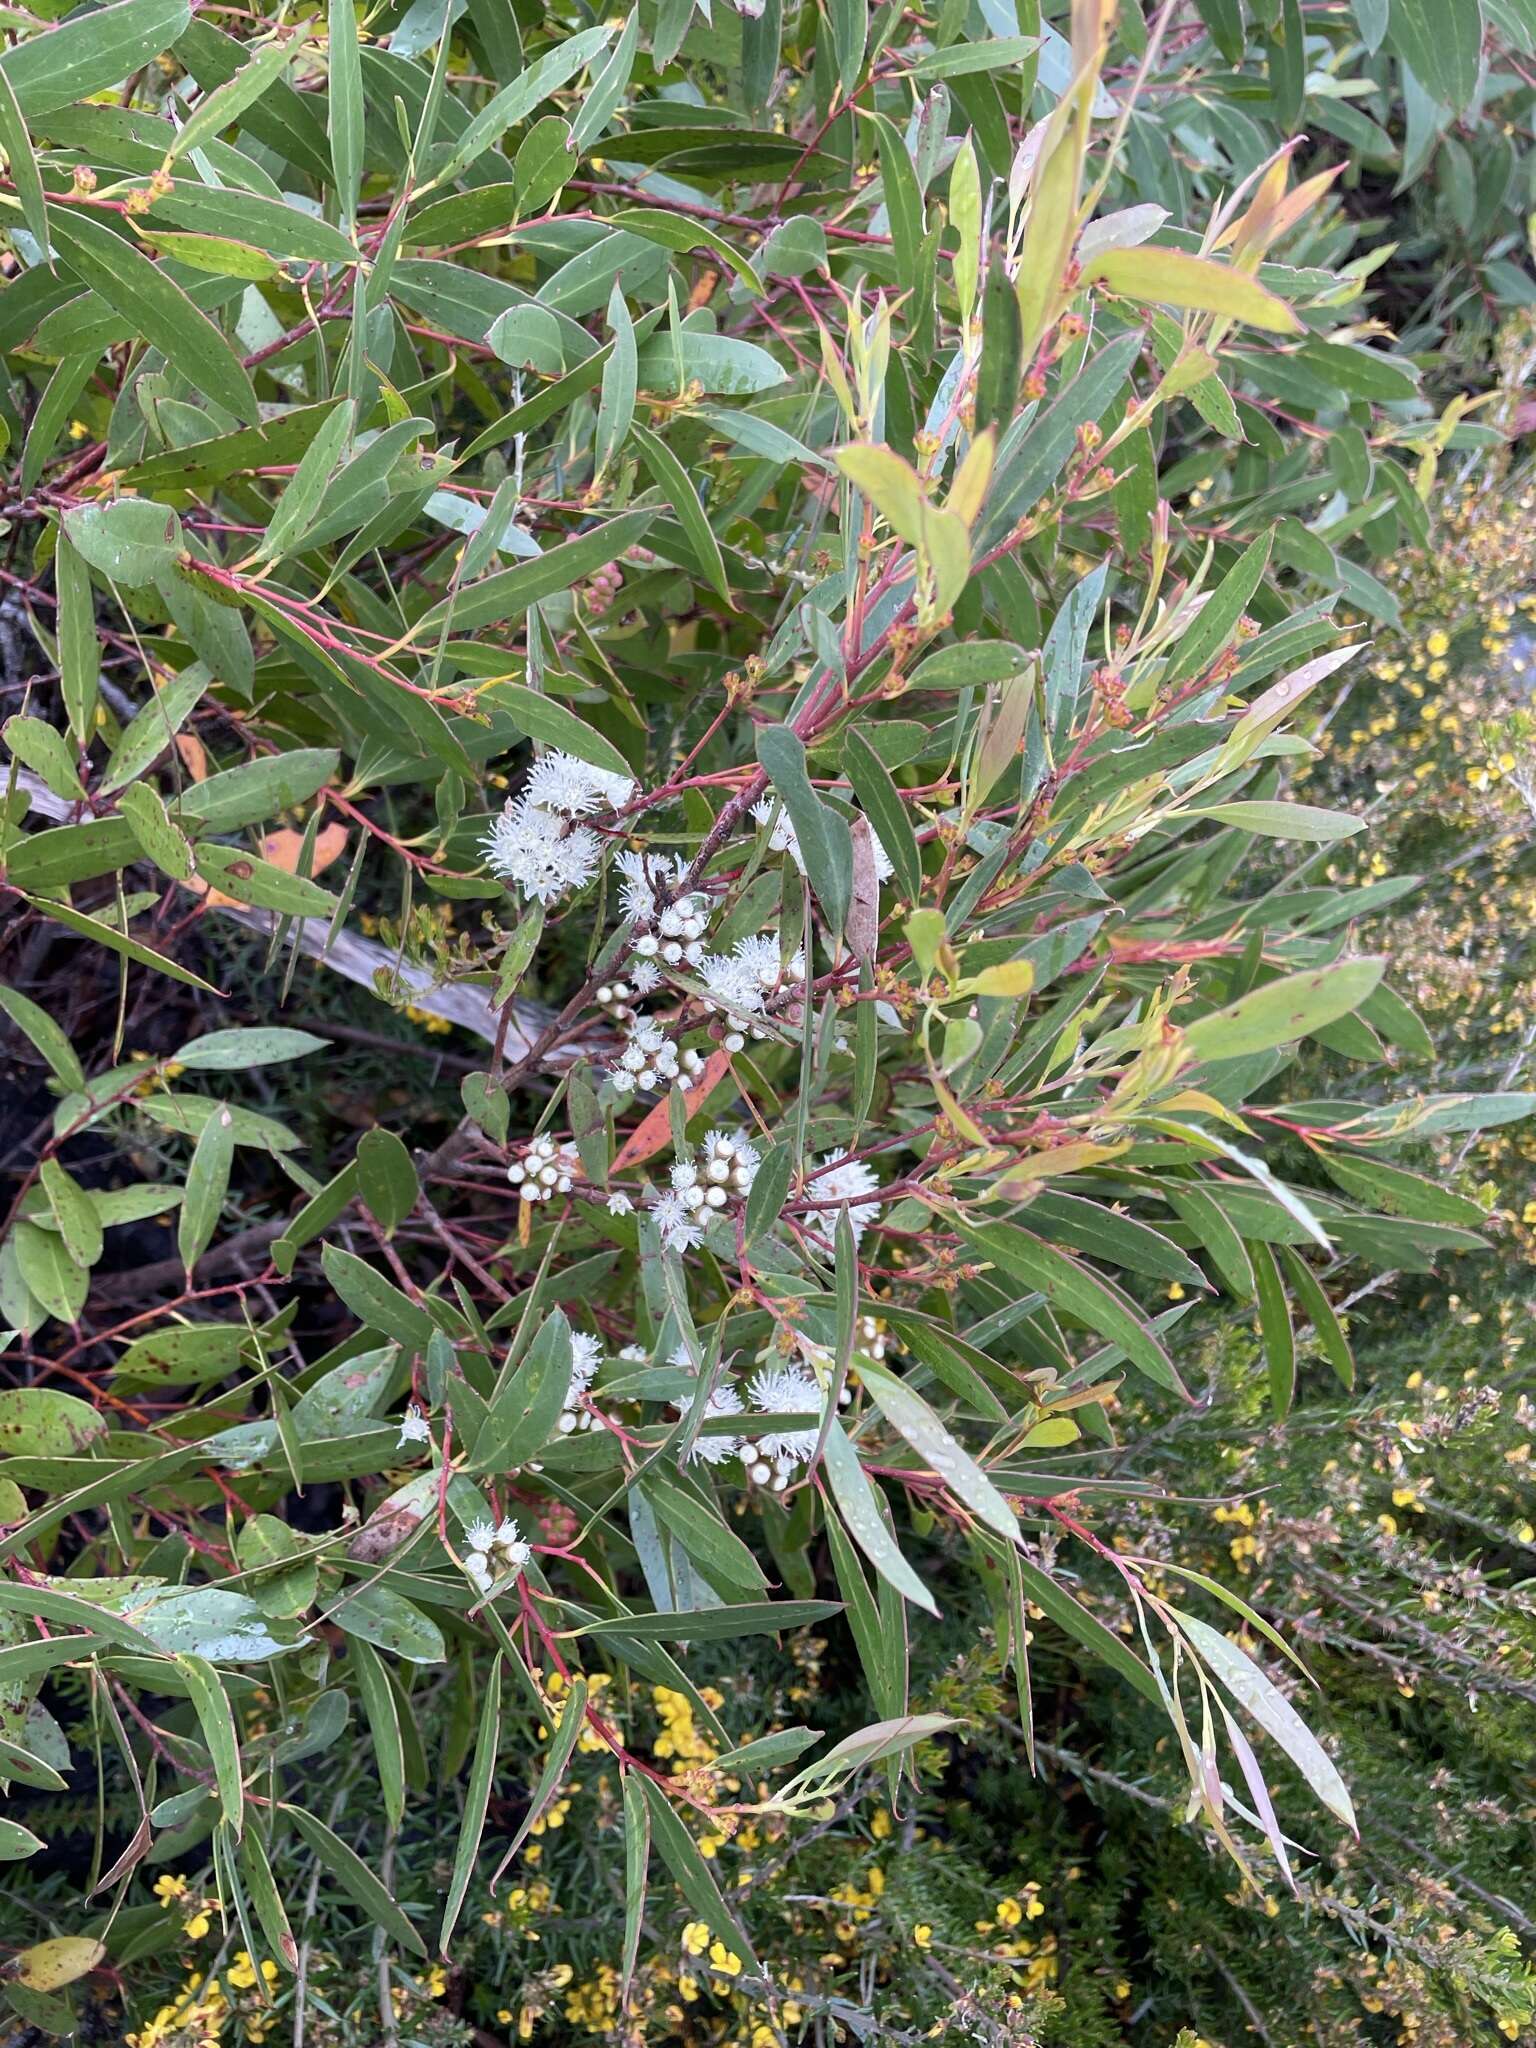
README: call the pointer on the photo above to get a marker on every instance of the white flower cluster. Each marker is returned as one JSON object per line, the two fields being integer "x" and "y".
{"x": 653, "y": 1060}
{"x": 495, "y": 1554}
{"x": 723, "y": 1173}
{"x": 670, "y": 926}
{"x": 545, "y": 1169}
{"x": 414, "y": 1427}
{"x": 842, "y": 1179}
{"x": 535, "y": 845}
{"x": 771, "y": 1460}
{"x": 749, "y": 980}
{"x": 586, "y": 1357}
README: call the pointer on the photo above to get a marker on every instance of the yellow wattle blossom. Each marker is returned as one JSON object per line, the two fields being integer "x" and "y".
{"x": 696, "y": 1937}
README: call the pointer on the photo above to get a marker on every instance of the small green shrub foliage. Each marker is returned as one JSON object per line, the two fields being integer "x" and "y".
{"x": 771, "y": 570}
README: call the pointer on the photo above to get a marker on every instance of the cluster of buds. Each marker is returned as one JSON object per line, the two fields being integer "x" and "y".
{"x": 873, "y": 1339}
{"x": 545, "y": 1169}
{"x": 728, "y": 1166}
{"x": 495, "y": 1554}
{"x": 586, "y": 1357}
{"x": 678, "y": 936}
{"x": 652, "y": 1060}
{"x": 604, "y": 586}
{"x": 1109, "y": 688}
{"x": 613, "y": 997}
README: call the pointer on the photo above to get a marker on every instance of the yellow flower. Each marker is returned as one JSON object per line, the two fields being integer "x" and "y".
{"x": 1009, "y": 1912}
{"x": 725, "y": 1960}
{"x": 880, "y": 1826}
{"x": 436, "y": 1981}
{"x": 922, "y": 1935}
{"x": 169, "y": 1887}
{"x": 696, "y": 1937}
{"x": 242, "y": 1971}
{"x": 198, "y": 1925}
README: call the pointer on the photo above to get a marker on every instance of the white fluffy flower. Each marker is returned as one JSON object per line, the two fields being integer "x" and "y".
{"x": 539, "y": 852}
{"x": 782, "y": 1390}
{"x": 723, "y": 1401}
{"x": 560, "y": 782}
{"x": 783, "y": 838}
{"x": 495, "y": 1555}
{"x": 680, "y": 1231}
{"x": 414, "y": 1427}
{"x": 619, "y": 1204}
{"x": 847, "y": 1180}
{"x": 651, "y": 1060}
{"x": 586, "y": 1357}
{"x": 748, "y": 979}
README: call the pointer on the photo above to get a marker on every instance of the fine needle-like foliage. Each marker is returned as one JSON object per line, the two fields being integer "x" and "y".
{"x": 683, "y": 548}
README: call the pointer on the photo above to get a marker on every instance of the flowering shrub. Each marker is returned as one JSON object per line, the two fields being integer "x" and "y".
{"x": 793, "y": 635}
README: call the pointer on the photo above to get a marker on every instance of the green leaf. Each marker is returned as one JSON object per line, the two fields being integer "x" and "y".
{"x": 1318, "y": 1310}
{"x": 911, "y": 1417}
{"x": 1272, "y": 820}
{"x": 58, "y": 1279}
{"x": 1282, "y": 1011}
{"x": 249, "y": 879}
{"x": 476, "y": 1801}
{"x": 50, "y": 1041}
{"x": 1441, "y": 42}
{"x": 74, "y": 59}
{"x": 296, "y": 510}
{"x": 826, "y": 843}
{"x": 154, "y": 727}
{"x": 381, "y": 1616}
{"x": 1216, "y": 622}
{"x": 882, "y": 804}
{"x": 355, "y": 1878}
{"x": 384, "y": 1725}
{"x": 719, "y": 365}
{"x": 73, "y": 1216}
{"x": 156, "y": 309}
{"x": 158, "y": 838}
{"x": 637, "y": 1861}
{"x": 38, "y": 1422}
{"x": 19, "y": 157}
{"x": 684, "y": 500}
{"x": 247, "y": 1046}
{"x": 216, "y": 1719}
{"x": 264, "y": 1896}
{"x": 345, "y": 102}
{"x": 681, "y": 1855}
{"x": 207, "y": 1185}
{"x": 386, "y": 1178}
{"x": 1273, "y": 1712}
{"x": 547, "y": 720}
{"x": 223, "y": 106}
{"x": 79, "y": 654}
{"x": 573, "y": 1719}
{"x": 375, "y": 1300}
{"x": 515, "y": 102}
{"x": 504, "y": 597}
{"x": 114, "y": 941}
{"x": 526, "y": 1405}
{"x": 1088, "y": 1297}
{"x": 859, "y": 1504}
{"x": 1171, "y": 277}
{"x": 715, "y": 1624}
{"x": 677, "y": 231}
{"x": 184, "y": 1354}
{"x": 129, "y": 539}
{"x": 1275, "y": 1332}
